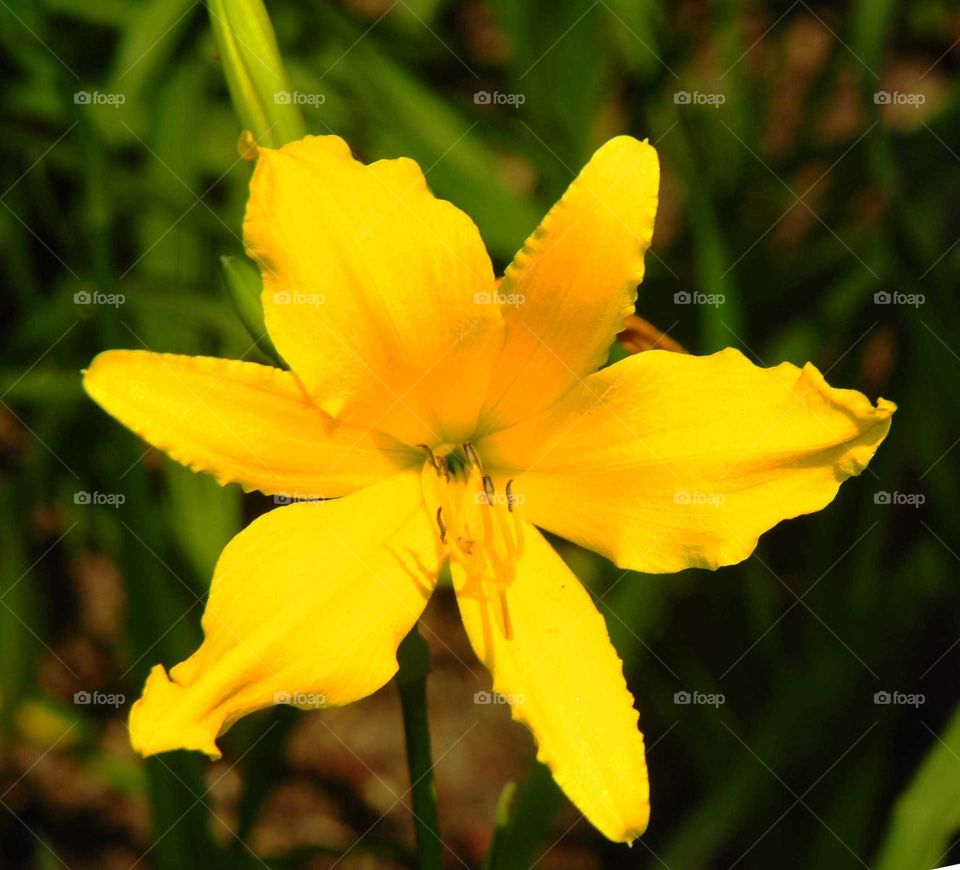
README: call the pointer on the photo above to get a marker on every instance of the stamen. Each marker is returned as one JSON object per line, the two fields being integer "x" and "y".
{"x": 506, "y": 625}
{"x": 443, "y": 468}
{"x": 488, "y": 490}
{"x": 472, "y": 456}
{"x": 486, "y": 541}
{"x": 433, "y": 459}
{"x": 518, "y": 534}
{"x": 441, "y": 526}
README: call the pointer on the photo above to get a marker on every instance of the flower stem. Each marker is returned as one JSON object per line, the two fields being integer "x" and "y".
{"x": 414, "y": 659}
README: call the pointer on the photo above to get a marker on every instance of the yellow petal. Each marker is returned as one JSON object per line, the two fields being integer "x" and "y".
{"x": 378, "y": 294}
{"x": 307, "y": 607}
{"x": 567, "y": 293}
{"x": 240, "y": 421}
{"x": 556, "y": 667}
{"x": 665, "y": 461}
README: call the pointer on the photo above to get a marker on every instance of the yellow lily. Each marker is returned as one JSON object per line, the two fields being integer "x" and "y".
{"x": 449, "y": 418}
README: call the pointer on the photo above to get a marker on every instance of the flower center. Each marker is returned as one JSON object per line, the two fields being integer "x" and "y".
{"x": 478, "y": 520}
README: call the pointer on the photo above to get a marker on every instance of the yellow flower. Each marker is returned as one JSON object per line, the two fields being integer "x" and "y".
{"x": 449, "y": 418}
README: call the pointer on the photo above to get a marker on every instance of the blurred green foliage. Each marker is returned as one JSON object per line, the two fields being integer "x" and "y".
{"x": 798, "y": 199}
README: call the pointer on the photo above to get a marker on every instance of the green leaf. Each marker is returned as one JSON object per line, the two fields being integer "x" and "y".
{"x": 926, "y": 816}
{"x": 18, "y": 664}
{"x": 531, "y": 809}
{"x": 501, "y": 822}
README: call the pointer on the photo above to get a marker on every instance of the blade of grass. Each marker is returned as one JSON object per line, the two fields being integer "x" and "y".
{"x": 926, "y": 815}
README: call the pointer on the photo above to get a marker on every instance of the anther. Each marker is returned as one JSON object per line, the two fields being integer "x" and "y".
{"x": 443, "y": 468}
{"x": 432, "y": 458}
{"x": 488, "y": 489}
{"x": 472, "y": 456}
{"x": 441, "y": 526}
{"x": 511, "y": 498}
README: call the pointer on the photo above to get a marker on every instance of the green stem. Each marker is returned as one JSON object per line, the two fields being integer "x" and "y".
{"x": 414, "y": 659}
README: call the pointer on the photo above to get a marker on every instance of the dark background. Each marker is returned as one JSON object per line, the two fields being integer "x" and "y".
{"x": 789, "y": 188}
